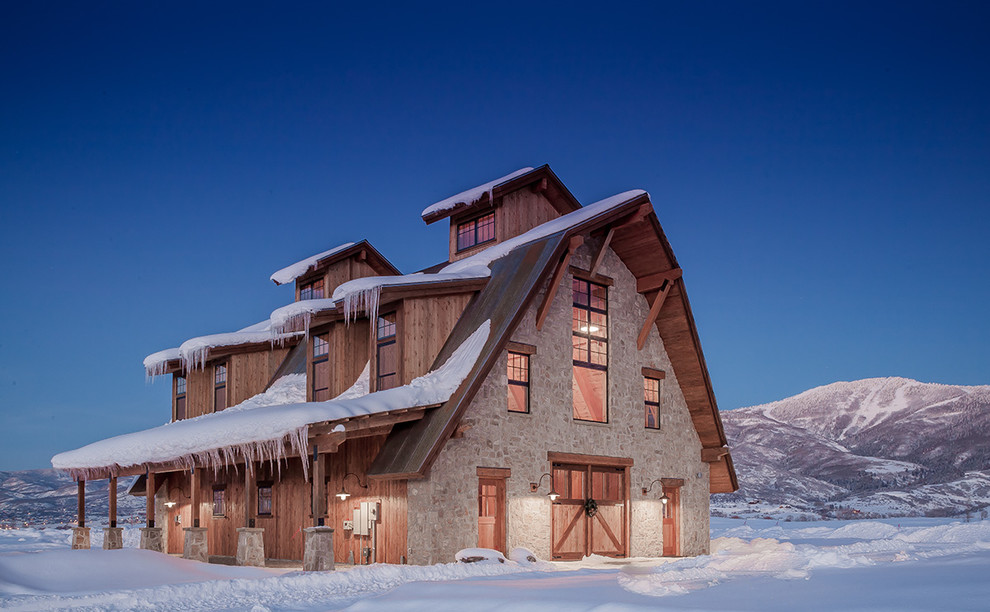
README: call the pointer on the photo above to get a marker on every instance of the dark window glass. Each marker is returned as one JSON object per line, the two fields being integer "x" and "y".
{"x": 180, "y": 397}
{"x": 589, "y": 328}
{"x": 219, "y": 509}
{"x": 219, "y": 387}
{"x": 321, "y": 368}
{"x": 264, "y": 499}
{"x": 651, "y": 398}
{"x": 518, "y": 372}
{"x": 387, "y": 357}
{"x": 311, "y": 291}
{"x": 476, "y": 231}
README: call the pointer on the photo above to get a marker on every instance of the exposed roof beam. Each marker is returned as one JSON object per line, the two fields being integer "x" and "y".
{"x": 558, "y": 274}
{"x": 712, "y": 455}
{"x": 655, "y": 281}
{"x": 652, "y": 317}
{"x": 600, "y": 255}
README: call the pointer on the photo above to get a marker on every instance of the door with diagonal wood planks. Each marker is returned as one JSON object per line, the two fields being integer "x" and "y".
{"x": 580, "y": 527}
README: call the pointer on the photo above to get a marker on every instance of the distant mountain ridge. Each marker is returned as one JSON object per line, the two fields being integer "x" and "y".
{"x": 48, "y": 497}
{"x": 879, "y": 446}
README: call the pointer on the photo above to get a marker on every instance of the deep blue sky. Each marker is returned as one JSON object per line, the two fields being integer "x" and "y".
{"x": 822, "y": 171}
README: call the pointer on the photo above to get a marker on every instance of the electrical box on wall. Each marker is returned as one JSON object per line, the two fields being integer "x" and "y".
{"x": 364, "y": 515}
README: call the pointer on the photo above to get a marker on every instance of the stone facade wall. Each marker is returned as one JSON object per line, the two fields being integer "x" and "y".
{"x": 443, "y": 508}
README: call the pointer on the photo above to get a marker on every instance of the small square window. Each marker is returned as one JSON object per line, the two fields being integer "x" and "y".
{"x": 219, "y": 507}
{"x": 311, "y": 291}
{"x": 264, "y": 499}
{"x": 476, "y": 231}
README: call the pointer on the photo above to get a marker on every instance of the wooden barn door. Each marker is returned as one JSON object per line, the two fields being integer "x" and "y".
{"x": 671, "y": 535}
{"x": 491, "y": 513}
{"x": 575, "y": 533}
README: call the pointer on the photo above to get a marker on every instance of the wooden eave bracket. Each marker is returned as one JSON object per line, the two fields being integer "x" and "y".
{"x": 714, "y": 455}
{"x": 600, "y": 255}
{"x": 651, "y": 318}
{"x": 558, "y": 274}
{"x": 652, "y": 282}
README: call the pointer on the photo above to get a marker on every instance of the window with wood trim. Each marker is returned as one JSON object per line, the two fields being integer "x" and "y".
{"x": 219, "y": 500}
{"x": 321, "y": 367}
{"x": 387, "y": 353}
{"x": 180, "y": 397}
{"x": 312, "y": 290}
{"x": 219, "y": 387}
{"x": 651, "y": 399}
{"x": 476, "y": 231}
{"x": 590, "y": 351}
{"x": 518, "y": 373}
{"x": 264, "y": 498}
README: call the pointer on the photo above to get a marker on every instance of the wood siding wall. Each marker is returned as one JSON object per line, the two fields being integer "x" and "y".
{"x": 348, "y": 343}
{"x": 425, "y": 325}
{"x": 247, "y": 375}
{"x": 337, "y": 274}
{"x": 518, "y": 212}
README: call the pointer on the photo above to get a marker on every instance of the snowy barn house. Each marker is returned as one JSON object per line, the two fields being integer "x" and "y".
{"x": 544, "y": 387}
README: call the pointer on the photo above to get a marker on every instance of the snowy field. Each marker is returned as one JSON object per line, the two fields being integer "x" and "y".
{"x": 895, "y": 564}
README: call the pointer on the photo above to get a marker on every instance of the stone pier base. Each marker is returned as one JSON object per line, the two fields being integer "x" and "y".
{"x": 251, "y": 546}
{"x": 151, "y": 539}
{"x": 113, "y": 538}
{"x": 318, "y": 551}
{"x": 80, "y": 538}
{"x": 194, "y": 546}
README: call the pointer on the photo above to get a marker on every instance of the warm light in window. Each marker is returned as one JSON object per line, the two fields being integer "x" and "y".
{"x": 589, "y": 329}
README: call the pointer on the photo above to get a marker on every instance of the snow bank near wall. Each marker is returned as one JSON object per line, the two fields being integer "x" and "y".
{"x": 472, "y": 195}
{"x": 266, "y": 432}
{"x": 291, "y": 273}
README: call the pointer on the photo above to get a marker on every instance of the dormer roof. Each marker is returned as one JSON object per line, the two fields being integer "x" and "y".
{"x": 329, "y": 257}
{"x": 540, "y": 179}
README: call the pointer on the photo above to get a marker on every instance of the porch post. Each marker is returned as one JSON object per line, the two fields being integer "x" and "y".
{"x": 250, "y": 539}
{"x": 194, "y": 546}
{"x": 151, "y": 536}
{"x": 113, "y": 536}
{"x": 80, "y": 533}
{"x": 318, "y": 540}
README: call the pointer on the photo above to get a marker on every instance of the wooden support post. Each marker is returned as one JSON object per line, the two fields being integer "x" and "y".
{"x": 544, "y": 309}
{"x": 654, "y": 312}
{"x": 600, "y": 255}
{"x": 249, "y": 492}
{"x": 194, "y": 491}
{"x": 112, "y": 494}
{"x": 81, "y": 500}
{"x": 319, "y": 488}
{"x": 149, "y": 506}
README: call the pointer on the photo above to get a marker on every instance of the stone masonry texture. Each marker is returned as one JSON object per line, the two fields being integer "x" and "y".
{"x": 443, "y": 508}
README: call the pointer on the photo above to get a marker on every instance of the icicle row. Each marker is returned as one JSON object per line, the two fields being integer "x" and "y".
{"x": 363, "y": 300}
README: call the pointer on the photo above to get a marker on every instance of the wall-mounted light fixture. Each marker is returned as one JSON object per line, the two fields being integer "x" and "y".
{"x": 535, "y": 486}
{"x": 343, "y": 492}
{"x": 663, "y": 497}
{"x": 170, "y": 504}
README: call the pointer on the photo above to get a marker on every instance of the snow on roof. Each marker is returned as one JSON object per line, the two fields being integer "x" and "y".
{"x": 361, "y": 294}
{"x": 471, "y": 196}
{"x": 257, "y": 428}
{"x": 195, "y": 351}
{"x": 291, "y": 273}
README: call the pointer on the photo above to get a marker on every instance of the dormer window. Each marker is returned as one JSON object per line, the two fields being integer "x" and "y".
{"x": 219, "y": 387}
{"x": 312, "y": 290}
{"x": 476, "y": 231}
{"x": 387, "y": 356}
{"x": 321, "y": 367}
{"x": 180, "y": 397}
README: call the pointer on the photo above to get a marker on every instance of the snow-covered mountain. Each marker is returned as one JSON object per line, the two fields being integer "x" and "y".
{"x": 40, "y": 497}
{"x": 887, "y": 446}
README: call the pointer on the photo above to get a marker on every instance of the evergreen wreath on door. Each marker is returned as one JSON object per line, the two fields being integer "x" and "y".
{"x": 590, "y": 507}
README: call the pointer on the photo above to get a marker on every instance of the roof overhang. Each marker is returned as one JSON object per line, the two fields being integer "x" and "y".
{"x": 542, "y": 180}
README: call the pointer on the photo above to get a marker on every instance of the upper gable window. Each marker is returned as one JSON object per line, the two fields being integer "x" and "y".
{"x": 219, "y": 387}
{"x": 312, "y": 290}
{"x": 651, "y": 398}
{"x": 518, "y": 375}
{"x": 590, "y": 351}
{"x": 476, "y": 231}
{"x": 387, "y": 355}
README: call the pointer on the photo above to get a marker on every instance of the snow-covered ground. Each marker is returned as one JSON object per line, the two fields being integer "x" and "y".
{"x": 896, "y": 564}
